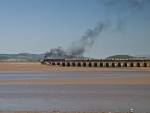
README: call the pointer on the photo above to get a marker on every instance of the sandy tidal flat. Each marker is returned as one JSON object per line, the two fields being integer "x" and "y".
{"x": 79, "y": 81}
{"x": 37, "y": 66}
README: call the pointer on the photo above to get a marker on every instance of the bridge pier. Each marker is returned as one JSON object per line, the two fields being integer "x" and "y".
{"x": 97, "y": 63}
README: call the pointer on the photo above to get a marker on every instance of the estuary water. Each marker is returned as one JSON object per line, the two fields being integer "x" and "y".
{"x": 74, "y": 97}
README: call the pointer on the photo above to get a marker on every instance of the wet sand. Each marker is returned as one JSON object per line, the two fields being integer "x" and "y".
{"x": 54, "y": 112}
{"x": 37, "y": 67}
{"x": 79, "y": 81}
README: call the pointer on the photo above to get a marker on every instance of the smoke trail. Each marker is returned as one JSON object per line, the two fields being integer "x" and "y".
{"x": 79, "y": 47}
{"x": 122, "y": 8}
{"x": 87, "y": 40}
{"x": 126, "y": 4}
{"x": 56, "y": 53}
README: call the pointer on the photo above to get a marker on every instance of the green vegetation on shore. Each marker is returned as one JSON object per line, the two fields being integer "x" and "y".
{"x": 21, "y": 57}
{"x": 121, "y": 57}
{"x": 38, "y": 57}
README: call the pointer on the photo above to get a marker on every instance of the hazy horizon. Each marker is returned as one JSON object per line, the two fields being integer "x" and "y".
{"x": 36, "y": 26}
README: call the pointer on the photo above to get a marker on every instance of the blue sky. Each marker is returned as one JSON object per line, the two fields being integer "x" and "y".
{"x": 36, "y": 26}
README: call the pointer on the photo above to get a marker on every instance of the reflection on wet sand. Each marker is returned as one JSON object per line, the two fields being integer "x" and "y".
{"x": 104, "y": 91}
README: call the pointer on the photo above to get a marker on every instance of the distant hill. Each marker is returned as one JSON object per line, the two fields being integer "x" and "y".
{"x": 143, "y": 56}
{"x": 120, "y": 57}
{"x": 21, "y": 57}
{"x": 38, "y": 57}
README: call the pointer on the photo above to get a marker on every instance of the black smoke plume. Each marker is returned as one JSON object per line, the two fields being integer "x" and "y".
{"x": 56, "y": 53}
{"x": 78, "y": 48}
{"x": 87, "y": 40}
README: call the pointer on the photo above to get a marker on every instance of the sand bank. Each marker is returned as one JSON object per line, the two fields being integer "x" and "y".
{"x": 37, "y": 66}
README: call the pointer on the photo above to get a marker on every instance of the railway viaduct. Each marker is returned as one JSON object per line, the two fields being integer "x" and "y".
{"x": 98, "y": 63}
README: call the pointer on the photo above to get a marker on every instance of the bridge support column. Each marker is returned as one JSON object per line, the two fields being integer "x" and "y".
{"x": 128, "y": 64}
{"x": 148, "y": 64}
